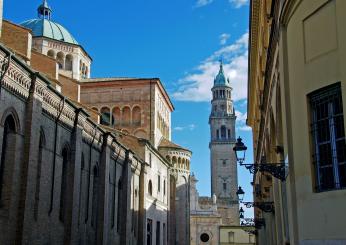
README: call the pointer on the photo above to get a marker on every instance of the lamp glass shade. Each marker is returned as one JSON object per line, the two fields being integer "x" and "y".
{"x": 240, "y": 150}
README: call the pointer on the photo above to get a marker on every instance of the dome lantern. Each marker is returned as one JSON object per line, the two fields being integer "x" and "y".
{"x": 220, "y": 79}
{"x": 44, "y": 11}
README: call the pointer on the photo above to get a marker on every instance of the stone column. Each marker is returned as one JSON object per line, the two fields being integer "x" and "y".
{"x": 71, "y": 234}
{"x": 103, "y": 216}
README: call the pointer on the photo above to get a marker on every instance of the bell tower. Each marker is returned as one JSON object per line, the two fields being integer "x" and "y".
{"x": 224, "y": 180}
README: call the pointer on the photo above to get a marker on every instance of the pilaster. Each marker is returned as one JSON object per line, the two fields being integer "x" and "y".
{"x": 73, "y": 182}
{"x": 103, "y": 215}
{"x": 125, "y": 201}
{"x": 28, "y": 169}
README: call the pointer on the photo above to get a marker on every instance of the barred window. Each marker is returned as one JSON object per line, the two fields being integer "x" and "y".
{"x": 328, "y": 133}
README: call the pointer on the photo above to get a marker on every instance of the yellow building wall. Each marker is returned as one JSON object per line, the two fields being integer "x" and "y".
{"x": 315, "y": 41}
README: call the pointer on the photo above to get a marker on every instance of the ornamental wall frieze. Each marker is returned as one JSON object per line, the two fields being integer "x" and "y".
{"x": 17, "y": 80}
{"x": 179, "y": 153}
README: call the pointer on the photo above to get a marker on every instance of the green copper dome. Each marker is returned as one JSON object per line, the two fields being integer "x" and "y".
{"x": 44, "y": 27}
{"x": 220, "y": 79}
{"x": 49, "y": 29}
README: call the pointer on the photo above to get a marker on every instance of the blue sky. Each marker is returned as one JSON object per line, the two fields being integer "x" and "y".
{"x": 179, "y": 41}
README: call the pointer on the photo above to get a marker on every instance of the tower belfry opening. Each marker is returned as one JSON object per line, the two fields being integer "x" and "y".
{"x": 44, "y": 11}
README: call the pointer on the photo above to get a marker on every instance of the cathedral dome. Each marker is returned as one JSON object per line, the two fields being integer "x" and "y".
{"x": 44, "y": 27}
{"x": 49, "y": 29}
{"x": 220, "y": 79}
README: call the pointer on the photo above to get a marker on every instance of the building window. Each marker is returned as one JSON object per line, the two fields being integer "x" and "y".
{"x": 229, "y": 133}
{"x": 231, "y": 237}
{"x": 223, "y": 132}
{"x": 158, "y": 231}
{"x": 150, "y": 188}
{"x": 204, "y": 237}
{"x": 149, "y": 232}
{"x": 224, "y": 162}
{"x": 95, "y": 195}
{"x": 224, "y": 186}
{"x": 63, "y": 187}
{"x": 328, "y": 133}
{"x": 120, "y": 187}
{"x": 38, "y": 175}
{"x": 158, "y": 183}
{"x": 217, "y": 134}
{"x": 164, "y": 187}
{"x": 7, "y": 161}
{"x": 164, "y": 234}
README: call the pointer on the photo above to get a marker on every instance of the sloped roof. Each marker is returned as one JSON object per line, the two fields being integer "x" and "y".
{"x": 165, "y": 143}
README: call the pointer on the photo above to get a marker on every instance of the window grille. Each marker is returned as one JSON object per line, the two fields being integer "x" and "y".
{"x": 327, "y": 126}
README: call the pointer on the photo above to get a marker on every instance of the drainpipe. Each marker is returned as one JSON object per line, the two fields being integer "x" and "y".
{"x": 61, "y": 108}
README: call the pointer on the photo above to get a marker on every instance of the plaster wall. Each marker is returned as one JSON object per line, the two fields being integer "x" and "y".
{"x": 316, "y": 54}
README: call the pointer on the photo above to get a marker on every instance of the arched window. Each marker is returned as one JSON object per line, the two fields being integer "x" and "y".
{"x": 105, "y": 116}
{"x": 63, "y": 188}
{"x": 150, "y": 188}
{"x": 60, "y": 57}
{"x": 51, "y": 53}
{"x": 223, "y": 132}
{"x": 116, "y": 116}
{"x": 95, "y": 195}
{"x": 136, "y": 116}
{"x": 81, "y": 184}
{"x": 217, "y": 134}
{"x": 38, "y": 174}
{"x": 7, "y": 161}
{"x": 174, "y": 161}
{"x": 126, "y": 118}
{"x": 69, "y": 62}
{"x": 120, "y": 187}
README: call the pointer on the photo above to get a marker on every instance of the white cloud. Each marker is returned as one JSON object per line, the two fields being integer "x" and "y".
{"x": 223, "y": 38}
{"x": 196, "y": 86}
{"x": 201, "y": 3}
{"x": 238, "y": 3}
{"x": 241, "y": 117}
{"x": 244, "y": 128}
{"x": 190, "y": 127}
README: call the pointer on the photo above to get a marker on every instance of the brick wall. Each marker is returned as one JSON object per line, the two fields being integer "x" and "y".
{"x": 17, "y": 38}
{"x": 44, "y": 64}
{"x": 69, "y": 87}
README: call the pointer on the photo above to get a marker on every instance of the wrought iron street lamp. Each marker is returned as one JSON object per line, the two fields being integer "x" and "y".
{"x": 240, "y": 193}
{"x": 278, "y": 170}
{"x": 267, "y": 207}
{"x": 241, "y": 213}
{"x": 240, "y": 150}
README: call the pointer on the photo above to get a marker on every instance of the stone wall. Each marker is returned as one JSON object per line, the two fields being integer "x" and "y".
{"x": 65, "y": 180}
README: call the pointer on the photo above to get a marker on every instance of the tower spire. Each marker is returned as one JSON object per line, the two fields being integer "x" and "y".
{"x": 221, "y": 65}
{"x": 44, "y": 11}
